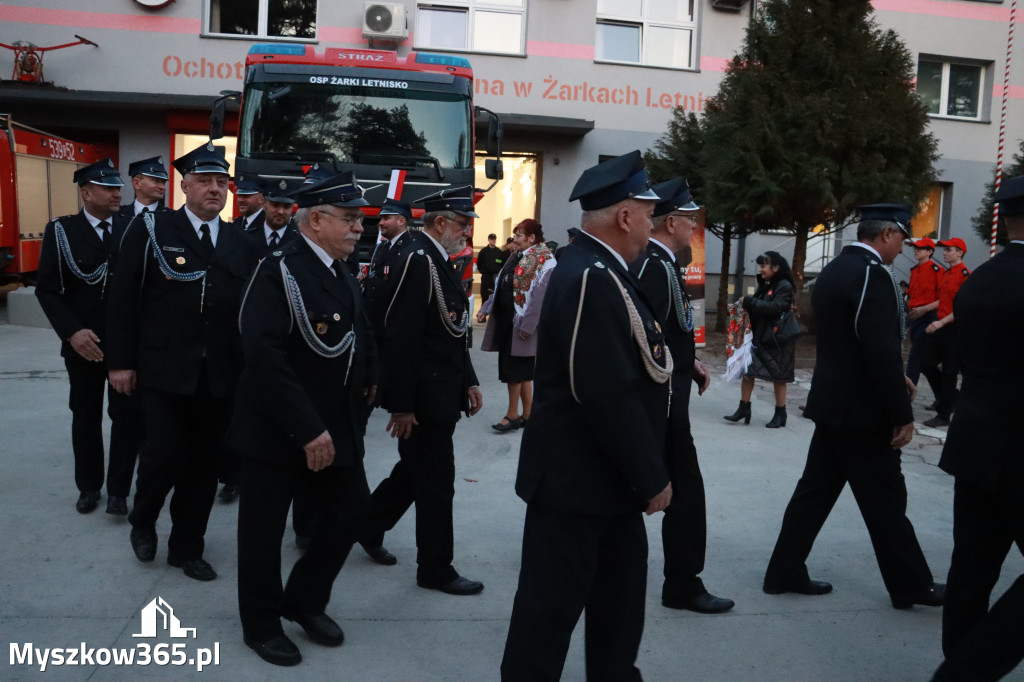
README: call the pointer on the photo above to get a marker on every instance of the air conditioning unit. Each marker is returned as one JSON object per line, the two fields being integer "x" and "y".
{"x": 385, "y": 21}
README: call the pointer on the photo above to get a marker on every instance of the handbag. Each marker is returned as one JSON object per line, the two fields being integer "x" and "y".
{"x": 783, "y": 330}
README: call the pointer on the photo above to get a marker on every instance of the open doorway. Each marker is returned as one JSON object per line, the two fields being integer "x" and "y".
{"x": 513, "y": 199}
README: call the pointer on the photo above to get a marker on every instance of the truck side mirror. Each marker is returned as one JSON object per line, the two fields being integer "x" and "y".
{"x": 493, "y": 169}
{"x": 217, "y": 112}
{"x": 495, "y": 134}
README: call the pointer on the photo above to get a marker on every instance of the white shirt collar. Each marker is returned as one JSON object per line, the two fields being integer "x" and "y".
{"x": 139, "y": 206}
{"x": 197, "y": 222}
{"x": 869, "y": 248}
{"x": 249, "y": 219}
{"x": 324, "y": 257}
{"x": 267, "y": 232}
{"x": 665, "y": 249}
{"x": 93, "y": 220}
{"x": 615, "y": 253}
{"x": 444, "y": 253}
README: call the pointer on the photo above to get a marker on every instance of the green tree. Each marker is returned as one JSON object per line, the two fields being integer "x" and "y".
{"x": 678, "y": 154}
{"x": 815, "y": 115}
{"x": 982, "y": 222}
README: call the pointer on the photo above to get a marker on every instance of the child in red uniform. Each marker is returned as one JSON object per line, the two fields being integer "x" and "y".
{"x": 943, "y": 364}
{"x": 923, "y": 300}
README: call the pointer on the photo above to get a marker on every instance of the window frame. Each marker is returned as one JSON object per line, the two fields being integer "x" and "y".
{"x": 470, "y": 8}
{"x": 984, "y": 86}
{"x": 644, "y": 24}
{"x": 262, "y": 19}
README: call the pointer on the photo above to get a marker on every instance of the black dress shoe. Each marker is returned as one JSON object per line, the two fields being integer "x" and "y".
{"x": 197, "y": 569}
{"x": 87, "y": 501}
{"x": 380, "y": 555}
{"x": 117, "y": 505}
{"x": 933, "y": 595}
{"x": 701, "y": 603}
{"x": 143, "y": 543}
{"x": 320, "y": 627}
{"x": 506, "y": 424}
{"x": 229, "y": 493}
{"x": 459, "y": 586}
{"x": 937, "y": 421}
{"x": 277, "y": 650}
{"x": 809, "y": 587}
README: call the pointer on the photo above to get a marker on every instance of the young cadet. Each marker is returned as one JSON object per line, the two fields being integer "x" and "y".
{"x": 942, "y": 364}
{"x": 684, "y": 526}
{"x": 172, "y": 326}
{"x": 72, "y": 289}
{"x": 149, "y": 186}
{"x": 593, "y": 453}
{"x": 922, "y": 302}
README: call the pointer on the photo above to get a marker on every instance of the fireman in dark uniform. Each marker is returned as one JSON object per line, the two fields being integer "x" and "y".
{"x": 593, "y": 453}
{"x": 73, "y": 289}
{"x": 149, "y": 187}
{"x": 249, "y": 196}
{"x": 298, "y": 418}
{"x": 942, "y": 364}
{"x": 277, "y": 227}
{"x": 922, "y": 303}
{"x": 427, "y": 382}
{"x": 172, "y": 327}
{"x": 379, "y": 284}
{"x": 684, "y": 527}
{"x": 984, "y": 451}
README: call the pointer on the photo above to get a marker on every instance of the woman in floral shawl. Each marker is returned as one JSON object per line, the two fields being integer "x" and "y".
{"x": 514, "y": 310}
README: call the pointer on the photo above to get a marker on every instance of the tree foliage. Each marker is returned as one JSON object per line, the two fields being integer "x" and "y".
{"x": 815, "y": 115}
{"x": 982, "y": 222}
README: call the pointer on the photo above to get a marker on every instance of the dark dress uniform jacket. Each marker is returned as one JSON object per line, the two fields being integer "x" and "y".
{"x": 164, "y": 328}
{"x": 424, "y": 369}
{"x": 595, "y": 440}
{"x": 858, "y": 378}
{"x": 654, "y": 279}
{"x": 73, "y": 305}
{"x": 385, "y": 271}
{"x": 256, "y": 224}
{"x": 257, "y": 239}
{"x": 984, "y": 444}
{"x": 289, "y": 394}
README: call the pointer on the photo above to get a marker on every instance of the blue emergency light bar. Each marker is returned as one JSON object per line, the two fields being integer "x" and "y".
{"x": 284, "y": 48}
{"x": 442, "y": 60}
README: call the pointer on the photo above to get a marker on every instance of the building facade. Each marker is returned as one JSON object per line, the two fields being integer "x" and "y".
{"x": 573, "y": 80}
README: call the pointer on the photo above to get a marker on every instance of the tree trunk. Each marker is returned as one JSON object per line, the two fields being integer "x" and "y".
{"x": 799, "y": 257}
{"x": 722, "y": 319}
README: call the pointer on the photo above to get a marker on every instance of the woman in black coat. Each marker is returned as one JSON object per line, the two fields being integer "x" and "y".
{"x": 774, "y": 296}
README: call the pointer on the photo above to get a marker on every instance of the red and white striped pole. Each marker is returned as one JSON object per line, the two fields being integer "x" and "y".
{"x": 1002, "y": 124}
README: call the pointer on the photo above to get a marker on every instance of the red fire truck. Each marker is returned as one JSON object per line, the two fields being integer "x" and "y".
{"x": 36, "y": 185}
{"x": 367, "y": 111}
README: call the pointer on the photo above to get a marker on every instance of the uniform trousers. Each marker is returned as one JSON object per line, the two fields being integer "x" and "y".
{"x": 872, "y": 468}
{"x": 184, "y": 443}
{"x": 339, "y": 499}
{"x": 980, "y": 644}
{"x": 574, "y": 563}
{"x": 88, "y": 381}
{"x": 424, "y": 475}
{"x": 941, "y": 366}
{"x": 684, "y": 526}
{"x": 920, "y": 340}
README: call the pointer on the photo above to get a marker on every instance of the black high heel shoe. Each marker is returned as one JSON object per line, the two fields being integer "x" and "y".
{"x": 742, "y": 412}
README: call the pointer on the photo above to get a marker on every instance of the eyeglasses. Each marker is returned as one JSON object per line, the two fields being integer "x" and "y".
{"x": 464, "y": 226}
{"x": 688, "y": 216}
{"x": 349, "y": 219}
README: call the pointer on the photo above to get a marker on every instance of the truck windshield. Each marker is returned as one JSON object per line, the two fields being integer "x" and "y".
{"x": 353, "y": 124}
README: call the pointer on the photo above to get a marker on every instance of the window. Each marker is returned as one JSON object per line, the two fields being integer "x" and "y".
{"x": 647, "y": 32}
{"x": 472, "y": 26}
{"x": 291, "y": 19}
{"x": 952, "y": 89}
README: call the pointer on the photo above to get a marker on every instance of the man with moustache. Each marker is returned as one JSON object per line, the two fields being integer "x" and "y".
{"x": 298, "y": 418}
{"x": 172, "y": 325}
{"x": 427, "y": 380}
{"x": 593, "y": 453}
{"x": 149, "y": 185}
{"x": 72, "y": 283}
{"x": 684, "y": 526}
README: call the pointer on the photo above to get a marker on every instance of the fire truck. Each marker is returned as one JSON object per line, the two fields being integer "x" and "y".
{"x": 36, "y": 186}
{"x": 401, "y": 122}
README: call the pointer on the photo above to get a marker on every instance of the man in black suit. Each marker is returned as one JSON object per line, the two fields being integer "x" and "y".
{"x": 860, "y": 403}
{"x": 984, "y": 452}
{"x": 277, "y": 228}
{"x": 250, "y": 199}
{"x": 380, "y": 281}
{"x": 593, "y": 453}
{"x": 488, "y": 262}
{"x": 684, "y": 527}
{"x": 298, "y": 419}
{"x": 72, "y": 290}
{"x": 172, "y": 327}
{"x": 149, "y": 185}
{"x": 427, "y": 381}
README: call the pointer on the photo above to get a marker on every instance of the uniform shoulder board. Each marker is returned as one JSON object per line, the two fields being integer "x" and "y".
{"x": 965, "y": 271}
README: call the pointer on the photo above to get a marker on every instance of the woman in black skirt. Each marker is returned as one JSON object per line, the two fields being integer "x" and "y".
{"x": 775, "y": 363}
{"x": 514, "y": 309}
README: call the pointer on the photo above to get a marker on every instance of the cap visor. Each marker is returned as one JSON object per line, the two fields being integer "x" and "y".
{"x": 108, "y": 182}
{"x": 358, "y": 201}
{"x": 649, "y": 195}
{"x": 158, "y": 176}
{"x": 689, "y": 207}
{"x": 468, "y": 213}
{"x": 212, "y": 168}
